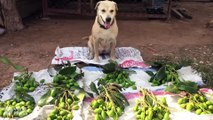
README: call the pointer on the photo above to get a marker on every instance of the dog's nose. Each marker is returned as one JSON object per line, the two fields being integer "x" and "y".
{"x": 108, "y": 19}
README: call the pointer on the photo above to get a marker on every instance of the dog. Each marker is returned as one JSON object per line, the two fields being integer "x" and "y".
{"x": 104, "y": 31}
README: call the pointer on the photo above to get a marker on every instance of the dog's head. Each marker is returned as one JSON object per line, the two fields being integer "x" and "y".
{"x": 106, "y": 11}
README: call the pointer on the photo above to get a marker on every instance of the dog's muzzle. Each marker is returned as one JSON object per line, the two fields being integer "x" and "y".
{"x": 106, "y": 23}
{"x": 108, "y": 20}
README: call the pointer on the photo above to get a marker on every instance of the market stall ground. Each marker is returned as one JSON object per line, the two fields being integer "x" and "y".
{"x": 34, "y": 46}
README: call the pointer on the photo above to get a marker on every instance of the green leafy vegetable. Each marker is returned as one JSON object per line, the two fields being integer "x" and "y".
{"x": 150, "y": 73}
{"x": 110, "y": 103}
{"x": 166, "y": 73}
{"x": 93, "y": 88}
{"x": 67, "y": 70}
{"x": 6, "y": 61}
{"x": 186, "y": 86}
{"x": 110, "y": 67}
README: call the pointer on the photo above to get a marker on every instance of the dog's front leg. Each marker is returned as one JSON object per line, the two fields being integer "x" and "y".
{"x": 96, "y": 51}
{"x": 91, "y": 50}
{"x": 112, "y": 52}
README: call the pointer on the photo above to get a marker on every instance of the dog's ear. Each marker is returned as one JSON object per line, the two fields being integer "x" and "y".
{"x": 116, "y": 6}
{"x": 97, "y": 4}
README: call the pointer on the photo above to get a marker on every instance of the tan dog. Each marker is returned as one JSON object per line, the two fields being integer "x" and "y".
{"x": 104, "y": 31}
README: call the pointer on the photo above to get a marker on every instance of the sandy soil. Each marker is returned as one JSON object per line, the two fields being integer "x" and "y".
{"x": 34, "y": 46}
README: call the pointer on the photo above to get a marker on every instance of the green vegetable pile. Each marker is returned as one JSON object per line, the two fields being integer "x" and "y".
{"x": 60, "y": 114}
{"x": 183, "y": 86}
{"x": 149, "y": 108}
{"x": 115, "y": 74}
{"x": 21, "y": 104}
{"x": 62, "y": 94}
{"x": 63, "y": 80}
{"x": 49, "y": 97}
{"x": 110, "y": 103}
{"x": 120, "y": 77}
{"x": 67, "y": 78}
{"x": 65, "y": 104}
{"x": 25, "y": 82}
{"x": 196, "y": 103}
{"x": 166, "y": 73}
{"x": 16, "y": 108}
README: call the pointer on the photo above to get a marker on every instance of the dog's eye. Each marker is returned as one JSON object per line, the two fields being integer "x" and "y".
{"x": 111, "y": 11}
{"x": 103, "y": 10}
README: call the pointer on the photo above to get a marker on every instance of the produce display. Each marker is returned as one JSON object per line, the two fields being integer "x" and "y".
{"x": 150, "y": 108}
{"x": 196, "y": 103}
{"x": 110, "y": 103}
{"x": 119, "y": 77}
{"x": 182, "y": 86}
{"x": 64, "y": 84}
{"x": 65, "y": 81}
{"x": 16, "y": 108}
{"x": 165, "y": 74}
{"x": 65, "y": 104}
{"x": 67, "y": 77}
{"x": 25, "y": 82}
{"x": 114, "y": 74}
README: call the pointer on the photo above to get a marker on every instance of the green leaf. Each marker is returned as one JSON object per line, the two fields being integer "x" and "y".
{"x": 94, "y": 88}
{"x": 110, "y": 67}
{"x": 76, "y": 76}
{"x": 19, "y": 68}
{"x": 42, "y": 81}
{"x": 67, "y": 70}
{"x": 161, "y": 73}
{"x": 117, "y": 101}
{"x": 150, "y": 73}
{"x": 121, "y": 96}
{"x": 6, "y": 61}
{"x": 44, "y": 98}
{"x": 172, "y": 89}
{"x": 101, "y": 82}
{"x": 188, "y": 86}
{"x": 24, "y": 96}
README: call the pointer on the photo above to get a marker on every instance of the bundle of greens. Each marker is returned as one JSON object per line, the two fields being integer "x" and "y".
{"x": 182, "y": 86}
{"x": 150, "y": 108}
{"x": 165, "y": 74}
{"x": 25, "y": 82}
{"x": 67, "y": 78}
{"x": 65, "y": 104}
{"x": 197, "y": 103}
{"x": 20, "y": 106}
{"x": 110, "y": 103}
{"x": 114, "y": 74}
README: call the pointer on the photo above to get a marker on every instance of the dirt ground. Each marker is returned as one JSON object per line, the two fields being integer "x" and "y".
{"x": 34, "y": 46}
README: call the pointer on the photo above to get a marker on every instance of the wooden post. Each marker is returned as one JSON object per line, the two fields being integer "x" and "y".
{"x": 169, "y": 9}
{"x": 1, "y": 17}
{"x": 79, "y": 7}
{"x": 12, "y": 19}
{"x": 92, "y": 6}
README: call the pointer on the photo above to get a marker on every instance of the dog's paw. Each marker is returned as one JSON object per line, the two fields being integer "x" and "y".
{"x": 112, "y": 58}
{"x": 96, "y": 59}
{"x": 90, "y": 56}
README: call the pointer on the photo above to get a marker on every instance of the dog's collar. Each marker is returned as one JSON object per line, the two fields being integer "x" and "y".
{"x": 102, "y": 26}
